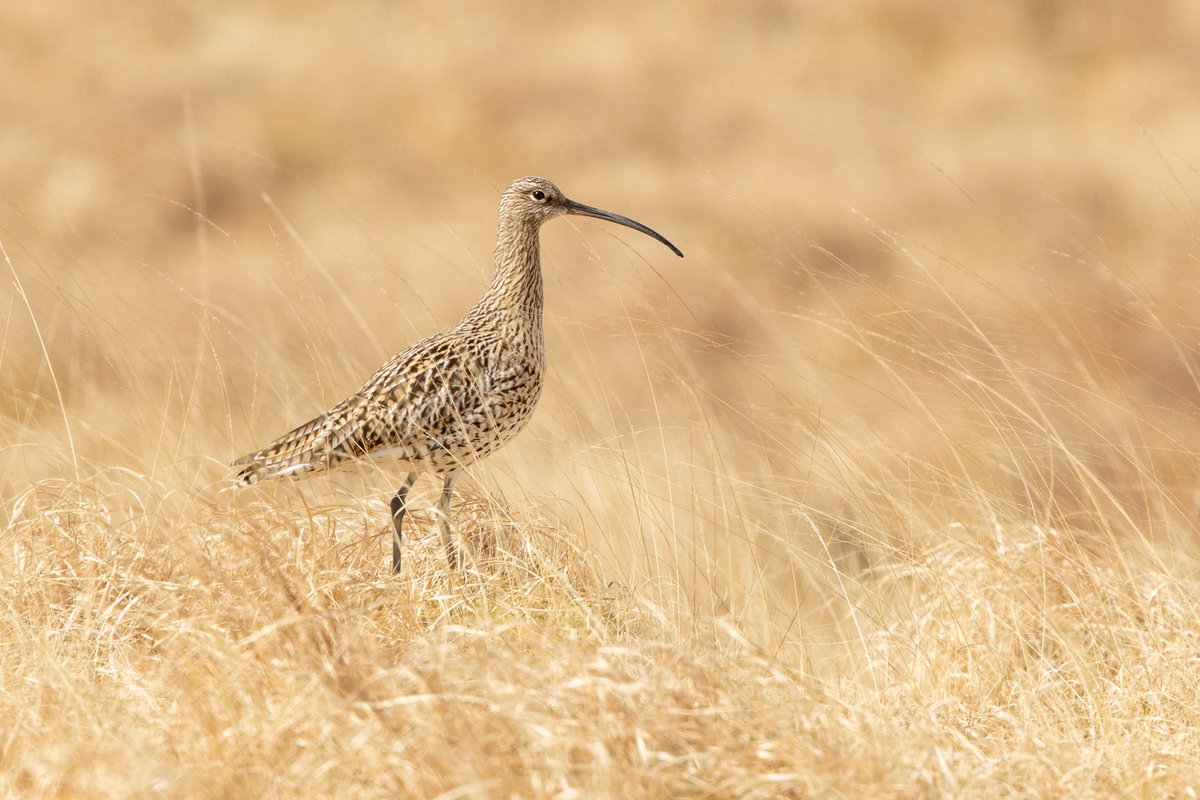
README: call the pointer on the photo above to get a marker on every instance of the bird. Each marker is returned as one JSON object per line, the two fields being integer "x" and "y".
{"x": 456, "y": 396}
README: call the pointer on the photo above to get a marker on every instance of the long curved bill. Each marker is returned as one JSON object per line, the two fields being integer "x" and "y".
{"x": 587, "y": 211}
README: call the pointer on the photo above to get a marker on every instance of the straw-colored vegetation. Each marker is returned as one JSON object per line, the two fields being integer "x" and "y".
{"x": 888, "y": 489}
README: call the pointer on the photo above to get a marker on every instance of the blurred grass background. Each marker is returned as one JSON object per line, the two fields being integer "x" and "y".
{"x": 939, "y": 276}
{"x": 225, "y": 217}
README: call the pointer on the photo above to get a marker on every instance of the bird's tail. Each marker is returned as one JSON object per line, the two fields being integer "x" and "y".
{"x": 296, "y": 452}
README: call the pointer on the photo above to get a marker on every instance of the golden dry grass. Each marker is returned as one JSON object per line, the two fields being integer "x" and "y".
{"x": 888, "y": 489}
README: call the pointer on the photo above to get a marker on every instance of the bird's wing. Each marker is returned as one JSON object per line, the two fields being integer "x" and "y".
{"x": 317, "y": 444}
{"x": 402, "y": 407}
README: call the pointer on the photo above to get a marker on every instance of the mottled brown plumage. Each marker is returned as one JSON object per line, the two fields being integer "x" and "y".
{"x": 458, "y": 395}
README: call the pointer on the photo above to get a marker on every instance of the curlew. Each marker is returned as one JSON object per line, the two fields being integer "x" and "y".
{"x": 458, "y": 395}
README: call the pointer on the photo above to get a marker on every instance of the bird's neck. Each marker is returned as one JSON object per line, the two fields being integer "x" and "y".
{"x": 516, "y": 287}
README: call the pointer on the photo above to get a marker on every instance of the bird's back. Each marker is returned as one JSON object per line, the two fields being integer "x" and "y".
{"x": 440, "y": 404}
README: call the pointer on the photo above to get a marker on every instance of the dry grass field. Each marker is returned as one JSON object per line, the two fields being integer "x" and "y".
{"x": 887, "y": 489}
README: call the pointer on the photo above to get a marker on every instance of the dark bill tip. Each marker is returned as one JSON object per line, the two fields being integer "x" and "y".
{"x": 588, "y": 211}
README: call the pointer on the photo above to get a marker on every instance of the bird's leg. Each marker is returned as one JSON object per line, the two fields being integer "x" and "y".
{"x": 452, "y": 549}
{"x": 398, "y": 517}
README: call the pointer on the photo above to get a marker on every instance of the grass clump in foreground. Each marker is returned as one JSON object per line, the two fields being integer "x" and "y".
{"x": 163, "y": 642}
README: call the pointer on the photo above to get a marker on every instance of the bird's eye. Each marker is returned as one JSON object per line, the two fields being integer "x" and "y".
{"x": 538, "y": 195}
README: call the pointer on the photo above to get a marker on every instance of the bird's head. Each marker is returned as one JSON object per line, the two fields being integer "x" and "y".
{"x": 536, "y": 200}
